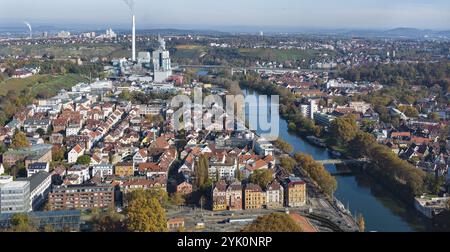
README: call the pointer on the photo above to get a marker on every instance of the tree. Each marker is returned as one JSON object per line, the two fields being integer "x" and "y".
{"x": 21, "y": 223}
{"x": 84, "y": 160}
{"x": 238, "y": 175}
{"x": 19, "y": 140}
{"x": 283, "y": 146}
{"x": 434, "y": 116}
{"x": 343, "y": 130}
{"x": 177, "y": 199}
{"x": 201, "y": 171}
{"x": 41, "y": 132}
{"x": 274, "y": 222}
{"x": 58, "y": 154}
{"x": 288, "y": 163}
{"x": 361, "y": 223}
{"x": 145, "y": 214}
{"x": 48, "y": 229}
{"x": 318, "y": 173}
{"x": 361, "y": 144}
{"x": 110, "y": 221}
{"x": 409, "y": 111}
{"x": 261, "y": 177}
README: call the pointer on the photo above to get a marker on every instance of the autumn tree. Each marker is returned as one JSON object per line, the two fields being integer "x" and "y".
{"x": 238, "y": 175}
{"x": 261, "y": 177}
{"x": 201, "y": 171}
{"x": 177, "y": 199}
{"x": 361, "y": 223}
{"x": 361, "y": 144}
{"x": 283, "y": 146}
{"x": 110, "y": 221}
{"x": 22, "y": 223}
{"x": 343, "y": 130}
{"x": 274, "y": 222}
{"x": 318, "y": 173}
{"x": 19, "y": 140}
{"x": 288, "y": 163}
{"x": 145, "y": 214}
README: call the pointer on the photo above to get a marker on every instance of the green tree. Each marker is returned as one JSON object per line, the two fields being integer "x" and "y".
{"x": 177, "y": 199}
{"x": 261, "y": 177}
{"x": 19, "y": 140}
{"x": 274, "y": 222}
{"x": 84, "y": 160}
{"x": 145, "y": 214}
{"x": 41, "y": 132}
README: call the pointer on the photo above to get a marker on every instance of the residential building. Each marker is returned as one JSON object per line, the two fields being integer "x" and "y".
{"x": 81, "y": 197}
{"x": 15, "y": 197}
{"x": 264, "y": 147}
{"x": 274, "y": 195}
{"x": 308, "y": 110}
{"x": 102, "y": 170}
{"x": 184, "y": 188}
{"x": 175, "y": 224}
{"x": 234, "y": 196}
{"x": 75, "y": 153}
{"x": 37, "y": 168}
{"x": 124, "y": 170}
{"x": 219, "y": 196}
{"x": 80, "y": 172}
{"x": 295, "y": 192}
{"x": 254, "y": 197}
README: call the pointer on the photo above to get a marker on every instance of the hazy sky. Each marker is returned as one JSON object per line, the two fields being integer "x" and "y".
{"x": 433, "y": 14}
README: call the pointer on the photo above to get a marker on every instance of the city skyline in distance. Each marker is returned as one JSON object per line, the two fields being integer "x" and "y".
{"x": 234, "y": 15}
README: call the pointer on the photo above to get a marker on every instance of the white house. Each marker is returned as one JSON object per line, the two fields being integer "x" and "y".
{"x": 264, "y": 147}
{"x": 2, "y": 169}
{"x": 81, "y": 171}
{"x": 102, "y": 170}
{"x": 74, "y": 154}
{"x": 140, "y": 157}
{"x": 72, "y": 131}
{"x": 37, "y": 168}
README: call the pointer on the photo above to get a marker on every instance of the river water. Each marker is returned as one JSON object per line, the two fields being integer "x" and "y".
{"x": 381, "y": 210}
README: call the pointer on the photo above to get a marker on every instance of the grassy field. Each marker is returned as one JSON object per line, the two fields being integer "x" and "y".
{"x": 39, "y": 84}
{"x": 282, "y": 55}
{"x": 189, "y": 51}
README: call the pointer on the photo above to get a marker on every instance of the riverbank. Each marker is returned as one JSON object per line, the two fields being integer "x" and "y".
{"x": 381, "y": 210}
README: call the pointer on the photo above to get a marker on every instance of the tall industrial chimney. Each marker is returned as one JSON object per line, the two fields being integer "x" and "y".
{"x": 134, "y": 38}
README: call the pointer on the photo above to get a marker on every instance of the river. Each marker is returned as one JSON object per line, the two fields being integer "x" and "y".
{"x": 381, "y": 210}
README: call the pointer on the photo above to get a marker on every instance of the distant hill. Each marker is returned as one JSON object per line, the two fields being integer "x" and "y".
{"x": 172, "y": 32}
{"x": 411, "y": 33}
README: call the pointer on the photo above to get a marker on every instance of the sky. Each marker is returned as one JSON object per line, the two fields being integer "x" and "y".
{"x": 330, "y": 14}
